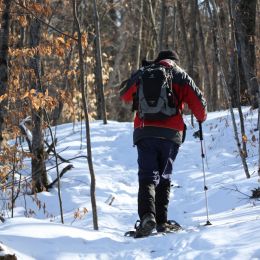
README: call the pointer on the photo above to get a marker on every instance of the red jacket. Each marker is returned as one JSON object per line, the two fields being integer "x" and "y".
{"x": 186, "y": 92}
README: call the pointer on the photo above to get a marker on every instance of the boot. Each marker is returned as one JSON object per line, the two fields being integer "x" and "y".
{"x": 146, "y": 226}
{"x": 146, "y": 199}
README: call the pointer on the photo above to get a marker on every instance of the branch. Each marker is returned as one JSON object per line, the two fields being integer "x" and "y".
{"x": 64, "y": 170}
{"x": 51, "y": 149}
{"x": 80, "y": 156}
{"x": 50, "y": 146}
{"x": 47, "y": 24}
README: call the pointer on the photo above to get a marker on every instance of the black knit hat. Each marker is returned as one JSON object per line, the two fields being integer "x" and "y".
{"x": 171, "y": 55}
{"x": 146, "y": 62}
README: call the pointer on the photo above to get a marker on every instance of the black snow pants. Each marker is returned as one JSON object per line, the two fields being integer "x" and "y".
{"x": 155, "y": 160}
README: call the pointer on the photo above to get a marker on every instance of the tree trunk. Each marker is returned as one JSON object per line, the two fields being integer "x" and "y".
{"x": 237, "y": 76}
{"x": 174, "y": 31}
{"x": 162, "y": 27}
{"x": 226, "y": 90}
{"x": 184, "y": 35}
{"x": 4, "y": 43}
{"x": 244, "y": 22}
{"x": 258, "y": 126}
{"x": 194, "y": 42}
{"x": 216, "y": 23}
{"x": 39, "y": 174}
{"x": 85, "y": 108}
{"x": 139, "y": 39}
{"x": 204, "y": 60}
{"x": 101, "y": 106}
{"x": 155, "y": 34}
{"x": 214, "y": 97}
{"x": 189, "y": 58}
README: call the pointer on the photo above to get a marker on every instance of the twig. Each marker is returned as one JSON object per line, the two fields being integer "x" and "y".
{"x": 237, "y": 190}
{"x": 8, "y": 185}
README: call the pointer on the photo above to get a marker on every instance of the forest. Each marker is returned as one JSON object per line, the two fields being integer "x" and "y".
{"x": 64, "y": 61}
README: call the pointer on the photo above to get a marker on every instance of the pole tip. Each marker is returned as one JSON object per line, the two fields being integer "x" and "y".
{"x": 208, "y": 223}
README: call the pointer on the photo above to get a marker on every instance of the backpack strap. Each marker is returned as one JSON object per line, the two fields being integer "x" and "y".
{"x": 175, "y": 97}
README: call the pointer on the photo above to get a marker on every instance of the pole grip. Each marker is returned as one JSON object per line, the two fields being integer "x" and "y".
{"x": 200, "y": 130}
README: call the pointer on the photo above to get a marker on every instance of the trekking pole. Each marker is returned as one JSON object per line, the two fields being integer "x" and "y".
{"x": 204, "y": 175}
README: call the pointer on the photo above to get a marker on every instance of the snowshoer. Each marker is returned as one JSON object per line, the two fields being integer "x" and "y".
{"x": 158, "y": 139}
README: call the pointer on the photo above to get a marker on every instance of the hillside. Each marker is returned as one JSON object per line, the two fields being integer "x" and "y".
{"x": 235, "y": 218}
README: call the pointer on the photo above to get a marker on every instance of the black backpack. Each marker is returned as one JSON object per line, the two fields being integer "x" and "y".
{"x": 155, "y": 99}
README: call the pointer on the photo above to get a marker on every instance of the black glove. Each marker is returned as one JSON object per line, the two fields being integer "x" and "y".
{"x": 196, "y": 134}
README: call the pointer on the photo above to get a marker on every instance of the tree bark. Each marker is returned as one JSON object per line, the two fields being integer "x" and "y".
{"x": 194, "y": 42}
{"x": 162, "y": 27}
{"x": 215, "y": 68}
{"x": 244, "y": 23}
{"x": 189, "y": 57}
{"x": 4, "y": 43}
{"x": 258, "y": 126}
{"x": 204, "y": 60}
{"x": 174, "y": 31}
{"x": 139, "y": 39}
{"x": 184, "y": 35}
{"x": 237, "y": 76}
{"x": 39, "y": 174}
{"x": 101, "y": 105}
{"x": 58, "y": 109}
{"x": 155, "y": 34}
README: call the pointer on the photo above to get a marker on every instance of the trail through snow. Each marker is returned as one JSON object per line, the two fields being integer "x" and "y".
{"x": 235, "y": 229}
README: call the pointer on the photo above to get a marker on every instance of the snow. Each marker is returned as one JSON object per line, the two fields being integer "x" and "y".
{"x": 36, "y": 231}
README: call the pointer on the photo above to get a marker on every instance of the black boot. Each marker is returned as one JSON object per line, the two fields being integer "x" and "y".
{"x": 146, "y": 226}
{"x": 146, "y": 199}
{"x": 162, "y": 200}
{"x": 146, "y": 209}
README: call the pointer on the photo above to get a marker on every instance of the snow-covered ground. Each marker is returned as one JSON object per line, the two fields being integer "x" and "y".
{"x": 235, "y": 229}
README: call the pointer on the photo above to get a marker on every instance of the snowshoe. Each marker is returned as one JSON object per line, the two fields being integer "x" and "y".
{"x": 168, "y": 227}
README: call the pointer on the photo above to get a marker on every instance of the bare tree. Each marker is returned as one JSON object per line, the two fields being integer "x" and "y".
{"x": 39, "y": 174}
{"x": 216, "y": 90}
{"x": 139, "y": 39}
{"x": 237, "y": 76}
{"x": 85, "y": 108}
{"x": 174, "y": 30}
{"x": 204, "y": 59}
{"x": 222, "y": 61}
{"x": 162, "y": 27}
{"x": 184, "y": 33}
{"x": 153, "y": 21}
{"x": 245, "y": 32}
{"x": 101, "y": 105}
